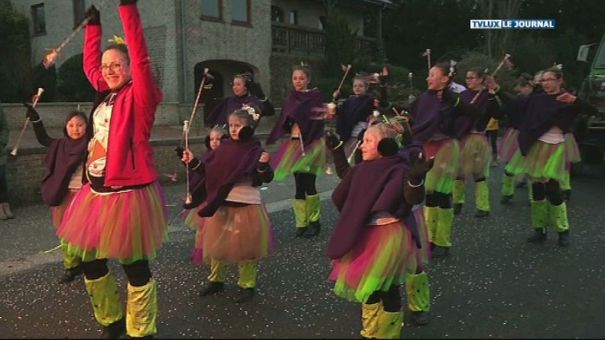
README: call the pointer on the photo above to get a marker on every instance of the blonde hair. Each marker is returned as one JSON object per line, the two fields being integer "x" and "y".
{"x": 382, "y": 130}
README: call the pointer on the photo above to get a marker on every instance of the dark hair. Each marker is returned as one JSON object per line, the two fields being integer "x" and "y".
{"x": 525, "y": 79}
{"x": 304, "y": 68}
{"x": 477, "y": 71}
{"x": 446, "y": 69}
{"x": 246, "y": 77}
{"x": 121, "y": 48}
{"x": 72, "y": 114}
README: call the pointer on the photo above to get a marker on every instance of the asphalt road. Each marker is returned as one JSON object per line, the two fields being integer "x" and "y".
{"x": 493, "y": 285}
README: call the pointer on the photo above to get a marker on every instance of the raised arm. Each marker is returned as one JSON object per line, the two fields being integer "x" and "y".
{"x": 146, "y": 92}
{"x": 92, "y": 51}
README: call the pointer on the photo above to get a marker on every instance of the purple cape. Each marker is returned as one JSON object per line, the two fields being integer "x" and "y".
{"x": 355, "y": 109}
{"x": 221, "y": 113}
{"x": 543, "y": 112}
{"x": 299, "y": 107}
{"x": 62, "y": 159}
{"x": 465, "y": 123}
{"x": 225, "y": 166}
{"x": 369, "y": 187}
{"x": 429, "y": 116}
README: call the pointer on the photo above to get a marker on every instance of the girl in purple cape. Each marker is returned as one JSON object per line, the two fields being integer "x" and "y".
{"x": 241, "y": 87}
{"x": 304, "y": 153}
{"x": 475, "y": 153}
{"x": 374, "y": 245}
{"x": 542, "y": 154}
{"x": 63, "y": 176}
{"x": 514, "y": 112}
{"x": 434, "y": 117}
{"x": 237, "y": 227}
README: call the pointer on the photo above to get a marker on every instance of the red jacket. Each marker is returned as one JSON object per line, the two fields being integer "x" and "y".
{"x": 129, "y": 153}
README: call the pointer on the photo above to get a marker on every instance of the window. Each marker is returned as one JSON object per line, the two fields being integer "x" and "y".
{"x": 79, "y": 8}
{"x": 212, "y": 9}
{"x": 38, "y": 19}
{"x": 277, "y": 14}
{"x": 293, "y": 17}
{"x": 240, "y": 11}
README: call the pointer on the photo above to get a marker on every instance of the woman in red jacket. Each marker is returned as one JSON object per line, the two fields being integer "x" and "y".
{"x": 120, "y": 212}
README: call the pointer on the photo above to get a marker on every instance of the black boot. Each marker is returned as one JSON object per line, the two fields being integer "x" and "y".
{"x": 419, "y": 318}
{"x": 457, "y": 208}
{"x": 481, "y": 213}
{"x": 506, "y": 199}
{"x": 539, "y": 235}
{"x": 440, "y": 252}
{"x": 246, "y": 294}
{"x": 314, "y": 228}
{"x": 212, "y": 288}
{"x": 70, "y": 274}
{"x": 301, "y": 231}
{"x": 564, "y": 238}
{"x": 115, "y": 330}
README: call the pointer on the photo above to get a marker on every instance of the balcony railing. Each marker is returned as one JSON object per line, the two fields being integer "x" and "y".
{"x": 290, "y": 39}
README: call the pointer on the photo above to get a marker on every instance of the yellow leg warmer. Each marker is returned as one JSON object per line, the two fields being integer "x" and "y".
{"x": 389, "y": 325}
{"x": 142, "y": 310}
{"x": 217, "y": 271}
{"x": 313, "y": 207}
{"x": 431, "y": 216}
{"x": 105, "y": 299}
{"x": 482, "y": 196}
{"x": 369, "y": 319}
{"x": 443, "y": 234}
{"x": 418, "y": 292}
{"x": 300, "y": 213}
{"x": 247, "y": 274}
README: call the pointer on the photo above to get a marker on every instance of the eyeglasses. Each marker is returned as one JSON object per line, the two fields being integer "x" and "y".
{"x": 549, "y": 79}
{"x": 113, "y": 67}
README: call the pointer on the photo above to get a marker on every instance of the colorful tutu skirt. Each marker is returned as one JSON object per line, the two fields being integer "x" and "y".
{"x": 572, "y": 151}
{"x": 237, "y": 233}
{"x": 441, "y": 177}
{"x": 509, "y": 144}
{"x": 56, "y": 213}
{"x": 196, "y": 222}
{"x": 127, "y": 226}
{"x": 289, "y": 158}
{"x": 381, "y": 258}
{"x": 475, "y": 156}
{"x": 543, "y": 162}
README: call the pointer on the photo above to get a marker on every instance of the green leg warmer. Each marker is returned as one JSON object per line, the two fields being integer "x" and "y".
{"x": 418, "y": 292}
{"x": 247, "y": 274}
{"x": 459, "y": 192}
{"x": 482, "y": 196}
{"x": 508, "y": 185}
{"x": 217, "y": 271}
{"x": 443, "y": 233}
{"x": 539, "y": 210}
{"x": 142, "y": 310}
{"x": 105, "y": 299}
{"x": 559, "y": 216}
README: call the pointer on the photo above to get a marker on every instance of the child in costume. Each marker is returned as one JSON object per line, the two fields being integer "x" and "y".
{"x": 475, "y": 154}
{"x": 372, "y": 245}
{"x": 513, "y": 111}
{"x": 120, "y": 213}
{"x": 542, "y": 144}
{"x": 63, "y": 176}
{"x": 304, "y": 153}
{"x": 242, "y": 95}
{"x": 196, "y": 182}
{"x": 237, "y": 227}
{"x": 433, "y": 122}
